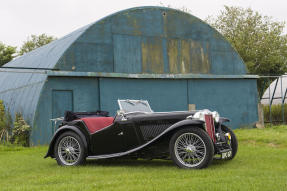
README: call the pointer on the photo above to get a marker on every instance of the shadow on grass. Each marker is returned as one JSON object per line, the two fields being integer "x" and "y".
{"x": 218, "y": 162}
{"x": 129, "y": 162}
{"x": 144, "y": 163}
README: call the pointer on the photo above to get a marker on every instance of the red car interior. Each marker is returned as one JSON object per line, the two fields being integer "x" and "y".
{"x": 97, "y": 123}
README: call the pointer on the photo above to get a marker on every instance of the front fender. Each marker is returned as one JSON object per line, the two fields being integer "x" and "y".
{"x": 59, "y": 132}
{"x": 185, "y": 122}
{"x": 223, "y": 119}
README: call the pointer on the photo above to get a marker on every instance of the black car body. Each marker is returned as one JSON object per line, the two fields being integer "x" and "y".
{"x": 190, "y": 138}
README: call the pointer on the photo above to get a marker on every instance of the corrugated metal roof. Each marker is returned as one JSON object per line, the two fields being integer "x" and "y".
{"x": 20, "y": 91}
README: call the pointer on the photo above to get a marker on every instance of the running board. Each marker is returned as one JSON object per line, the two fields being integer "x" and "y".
{"x": 108, "y": 156}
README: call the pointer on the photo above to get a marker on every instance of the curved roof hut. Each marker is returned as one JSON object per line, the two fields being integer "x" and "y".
{"x": 169, "y": 57}
{"x": 275, "y": 94}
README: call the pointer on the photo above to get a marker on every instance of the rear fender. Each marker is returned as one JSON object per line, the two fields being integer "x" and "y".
{"x": 61, "y": 130}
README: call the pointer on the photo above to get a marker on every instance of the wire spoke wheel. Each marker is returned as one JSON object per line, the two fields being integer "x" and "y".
{"x": 190, "y": 149}
{"x": 232, "y": 143}
{"x": 69, "y": 150}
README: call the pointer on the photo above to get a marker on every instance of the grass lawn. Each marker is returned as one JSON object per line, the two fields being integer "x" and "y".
{"x": 261, "y": 164}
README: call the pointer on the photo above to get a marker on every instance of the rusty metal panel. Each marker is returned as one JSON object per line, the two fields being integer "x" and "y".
{"x": 200, "y": 58}
{"x": 178, "y": 25}
{"x": 88, "y": 56}
{"x": 185, "y": 60}
{"x": 171, "y": 42}
{"x": 173, "y": 56}
{"x": 141, "y": 21}
{"x": 152, "y": 55}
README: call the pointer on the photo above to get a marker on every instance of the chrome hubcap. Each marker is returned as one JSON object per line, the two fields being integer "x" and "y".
{"x": 190, "y": 149}
{"x": 69, "y": 150}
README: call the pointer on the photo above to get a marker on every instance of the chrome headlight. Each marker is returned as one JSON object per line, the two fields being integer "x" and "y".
{"x": 215, "y": 116}
{"x": 200, "y": 115}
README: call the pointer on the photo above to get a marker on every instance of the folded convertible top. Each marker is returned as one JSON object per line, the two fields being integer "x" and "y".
{"x": 70, "y": 116}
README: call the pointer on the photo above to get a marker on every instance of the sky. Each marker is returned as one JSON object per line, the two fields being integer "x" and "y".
{"x": 21, "y": 18}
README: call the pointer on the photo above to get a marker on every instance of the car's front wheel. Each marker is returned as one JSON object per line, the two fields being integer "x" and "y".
{"x": 191, "y": 148}
{"x": 69, "y": 149}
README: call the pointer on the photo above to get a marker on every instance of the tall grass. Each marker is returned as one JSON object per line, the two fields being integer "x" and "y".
{"x": 276, "y": 113}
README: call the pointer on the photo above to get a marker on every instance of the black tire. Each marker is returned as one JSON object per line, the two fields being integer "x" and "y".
{"x": 77, "y": 152}
{"x": 234, "y": 142}
{"x": 205, "y": 154}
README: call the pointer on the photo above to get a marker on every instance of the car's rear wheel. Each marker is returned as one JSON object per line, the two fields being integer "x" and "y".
{"x": 233, "y": 142}
{"x": 69, "y": 149}
{"x": 191, "y": 148}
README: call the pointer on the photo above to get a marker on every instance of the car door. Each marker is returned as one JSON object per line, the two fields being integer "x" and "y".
{"x": 131, "y": 137}
{"x": 108, "y": 141}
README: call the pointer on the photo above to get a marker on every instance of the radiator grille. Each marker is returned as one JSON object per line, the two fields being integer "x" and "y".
{"x": 209, "y": 122}
{"x": 149, "y": 131}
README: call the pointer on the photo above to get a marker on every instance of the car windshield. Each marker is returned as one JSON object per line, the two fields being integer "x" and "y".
{"x": 134, "y": 105}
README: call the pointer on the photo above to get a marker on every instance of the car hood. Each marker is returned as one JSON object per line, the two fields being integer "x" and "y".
{"x": 176, "y": 115}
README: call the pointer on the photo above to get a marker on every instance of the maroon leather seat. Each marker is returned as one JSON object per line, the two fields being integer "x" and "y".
{"x": 97, "y": 123}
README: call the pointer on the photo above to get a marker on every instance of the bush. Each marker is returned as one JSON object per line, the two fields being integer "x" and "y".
{"x": 276, "y": 113}
{"x": 21, "y": 131}
{"x": 5, "y": 123}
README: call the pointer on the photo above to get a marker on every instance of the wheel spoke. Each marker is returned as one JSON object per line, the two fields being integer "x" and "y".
{"x": 69, "y": 150}
{"x": 190, "y": 150}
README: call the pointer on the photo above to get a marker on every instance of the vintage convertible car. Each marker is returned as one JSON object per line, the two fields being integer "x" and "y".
{"x": 190, "y": 138}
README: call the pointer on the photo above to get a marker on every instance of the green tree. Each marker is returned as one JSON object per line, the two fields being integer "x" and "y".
{"x": 258, "y": 39}
{"x": 7, "y": 53}
{"x": 35, "y": 41}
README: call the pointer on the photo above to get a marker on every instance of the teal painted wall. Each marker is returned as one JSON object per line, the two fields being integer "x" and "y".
{"x": 233, "y": 98}
{"x": 85, "y": 98}
{"x": 162, "y": 94}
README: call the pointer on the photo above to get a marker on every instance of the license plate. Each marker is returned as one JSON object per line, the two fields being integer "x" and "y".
{"x": 226, "y": 155}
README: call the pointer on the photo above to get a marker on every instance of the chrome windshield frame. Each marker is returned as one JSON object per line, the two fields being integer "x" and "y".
{"x": 145, "y": 102}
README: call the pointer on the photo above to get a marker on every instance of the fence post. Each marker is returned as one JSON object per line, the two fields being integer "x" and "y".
{"x": 270, "y": 117}
{"x": 282, "y": 101}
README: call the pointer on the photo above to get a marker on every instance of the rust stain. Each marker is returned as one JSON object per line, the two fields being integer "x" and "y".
{"x": 185, "y": 56}
{"x": 132, "y": 22}
{"x": 172, "y": 51}
{"x": 199, "y": 58}
{"x": 152, "y": 56}
{"x": 137, "y": 30}
{"x": 179, "y": 56}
